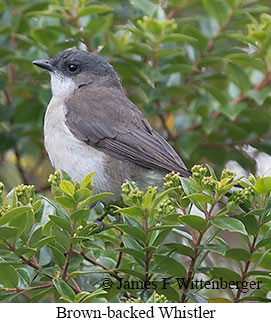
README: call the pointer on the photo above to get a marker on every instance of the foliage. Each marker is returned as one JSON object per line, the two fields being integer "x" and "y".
{"x": 154, "y": 249}
{"x": 200, "y": 71}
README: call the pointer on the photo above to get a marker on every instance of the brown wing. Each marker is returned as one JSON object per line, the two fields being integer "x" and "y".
{"x": 107, "y": 120}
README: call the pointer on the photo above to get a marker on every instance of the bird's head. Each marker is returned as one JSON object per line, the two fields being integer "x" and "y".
{"x": 72, "y": 68}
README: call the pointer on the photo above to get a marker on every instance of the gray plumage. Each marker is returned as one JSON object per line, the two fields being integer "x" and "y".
{"x": 90, "y": 121}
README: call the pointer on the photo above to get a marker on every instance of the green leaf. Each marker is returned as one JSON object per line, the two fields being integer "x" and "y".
{"x": 133, "y": 231}
{"x": 132, "y": 211}
{"x": 180, "y": 248}
{"x": 146, "y": 6}
{"x": 37, "y": 206}
{"x": 264, "y": 260}
{"x": 94, "y": 296}
{"x": 13, "y": 214}
{"x": 45, "y": 241}
{"x": 25, "y": 275}
{"x": 63, "y": 288}
{"x": 88, "y": 179}
{"x": 160, "y": 197}
{"x": 194, "y": 221}
{"x": 219, "y": 300}
{"x": 232, "y": 112}
{"x": 45, "y": 13}
{"x": 97, "y": 9}
{"x": 8, "y": 276}
{"x": 60, "y": 222}
{"x": 216, "y": 93}
{"x": 238, "y": 254}
{"x": 29, "y": 252}
{"x": 189, "y": 189}
{"x": 62, "y": 238}
{"x": 177, "y": 37}
{"x": 200, "y": 197}
{"x": 221, "y": 249}
{"x": 92, "y": 199}
{"x": 79, "y": 215}
{"x": 218, "y": 9}
{"x": 250, "y": 222}
{"x": 263, "y": 185}
{"x": 238, "y": 76}
{"x": 147, "y": 199}
{"x": 8, "y": 232}
{"x": 178, "y": 68}
{"x": 67, "y": 187}
{"x": 170, "y": 266}
{"x": 45, "y": 36}
{"x": 231, "y": 224}
{"x": 82, "y": 194}
{"x": 138, "y": 255}
{"x": 131, "y": 272}
{"x": 247, "y": 60}
{"x": 160, "y": 237}
{"x": 264, "y": 243}
{"x": 35, "y": 236}
{"x": 226, "y": 274}
{"x": 66, "y": 202}
{"x": 243, "y": 38}
{"x": 58, "y": 254}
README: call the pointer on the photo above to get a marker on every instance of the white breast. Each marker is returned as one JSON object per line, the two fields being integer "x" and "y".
{"x": 68, "y": 153}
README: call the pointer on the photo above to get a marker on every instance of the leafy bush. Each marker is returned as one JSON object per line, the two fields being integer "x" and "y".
{"x": 154, "y": 248}
{"x": 200, "y": 72}
{"x": 199, "y": 69}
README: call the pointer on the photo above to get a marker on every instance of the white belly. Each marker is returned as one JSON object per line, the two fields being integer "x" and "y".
{"x": 68, "y": 153}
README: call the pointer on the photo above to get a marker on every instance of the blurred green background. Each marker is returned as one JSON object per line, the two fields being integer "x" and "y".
{"x": 198, "y": 69}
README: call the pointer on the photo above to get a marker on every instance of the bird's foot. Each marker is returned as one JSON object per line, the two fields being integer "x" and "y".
{"x": 99, "y": 222}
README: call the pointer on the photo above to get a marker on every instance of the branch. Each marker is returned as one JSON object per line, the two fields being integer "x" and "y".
{"x": 263, "y": 83}
{"x": 66, "y": 265}
{"x": 28, "y": 288}
{"x": 120, "y": 255}
{"x": 247, "y": 265}
{"x": 96, "y": 263}
{"x": 78, "y": 289}
{"x": 190, "y": 273}
{"x": 20, "y": 167}
{"x": 23, "y": 258}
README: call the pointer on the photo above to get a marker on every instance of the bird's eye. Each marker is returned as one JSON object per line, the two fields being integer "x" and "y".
{"x": 72, "y": 68}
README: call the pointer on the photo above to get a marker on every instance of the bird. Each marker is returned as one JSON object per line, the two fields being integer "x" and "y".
{"x": 90, "y": 125}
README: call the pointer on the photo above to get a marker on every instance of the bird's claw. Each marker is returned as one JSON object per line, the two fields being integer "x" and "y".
{"x": 99, "y": 222}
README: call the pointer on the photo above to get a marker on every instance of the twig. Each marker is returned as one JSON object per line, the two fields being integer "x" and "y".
{"x": 96, "y": 263}
{"x": 190, "y": 273}
{"x": 246, "y": 269}
{"x": 28, "y": 288}
{"x": 25, "y": 260}
{"x": 78, "y": 289}
{"x": 20, "y": 167}
{"x": 66, "y": 265}
{"x": 120, "y": 255}
{"x": 263, "y": 83}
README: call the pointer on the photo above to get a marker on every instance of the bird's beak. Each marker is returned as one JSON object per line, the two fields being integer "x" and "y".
{"x": 46, "y": 64}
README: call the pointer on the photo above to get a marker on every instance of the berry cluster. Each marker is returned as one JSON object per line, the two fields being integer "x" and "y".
{"x": 165, "y": 208}
{"x": 159, "y": 298}
{"x": 226, "y": 173}
{"x": 4, "y": 209}
{"x": 132, "y": 192}
{"x": 25, "y": 193}
{"x": 55, "y": 179}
